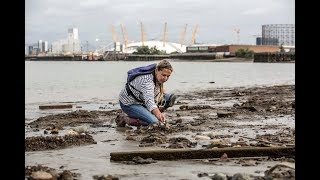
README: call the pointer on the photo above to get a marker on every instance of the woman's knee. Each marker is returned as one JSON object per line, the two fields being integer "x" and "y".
{"x": 141, "y": 113}
{"x": 148, "y": 117}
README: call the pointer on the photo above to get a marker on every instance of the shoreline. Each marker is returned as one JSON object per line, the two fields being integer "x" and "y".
{"x": 232, "y": 59}
{"x": 175, "y": 60}
{"x": 213, "y": 117}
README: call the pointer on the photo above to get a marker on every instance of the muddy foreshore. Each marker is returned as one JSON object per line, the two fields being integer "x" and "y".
{"x": 218, "y": 118}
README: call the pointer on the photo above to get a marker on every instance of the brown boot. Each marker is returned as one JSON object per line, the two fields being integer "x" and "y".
{"x": 134, "y": 122}
{"x": 121, "y": 120}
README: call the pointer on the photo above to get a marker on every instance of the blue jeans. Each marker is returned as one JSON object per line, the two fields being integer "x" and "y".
{"x": 141, "y": 113}
{"x": 167, "y": 99}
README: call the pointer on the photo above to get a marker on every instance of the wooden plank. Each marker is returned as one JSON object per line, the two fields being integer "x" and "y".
{"x": 174, "y": 154}
{"x": 56, "y": 106}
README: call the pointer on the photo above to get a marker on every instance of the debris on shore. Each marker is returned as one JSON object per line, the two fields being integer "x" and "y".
{"x": 254, "y": 117}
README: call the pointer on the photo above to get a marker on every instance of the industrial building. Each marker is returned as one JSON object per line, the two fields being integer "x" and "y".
{"x": 168, "y": 47}
{"x": 161, "y": 45}
{"x": 230, "y": 49}
{"x": 278, "y": 34}
{"x": 273, "y": 37}
{"x": 199, "y": 48}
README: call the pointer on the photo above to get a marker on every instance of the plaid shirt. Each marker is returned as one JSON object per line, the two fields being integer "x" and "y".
{"x": 145, "y": 89}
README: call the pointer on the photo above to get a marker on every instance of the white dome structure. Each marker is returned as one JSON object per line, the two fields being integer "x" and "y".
{"x": 168, "y": 48}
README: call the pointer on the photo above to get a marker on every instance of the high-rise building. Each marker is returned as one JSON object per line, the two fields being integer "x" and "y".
{"x": 40, "y": 46}
{"x": 45, "y": 46}
{"x": 70, "y": 45}
{"x": 26, "y": 50}
{"x": 258, "y": 41}
{"x": 57, "y": 46}
{"x": 73, "y": 33}
{"x": 30, "y": 50}
{"x": 278, "y": 34}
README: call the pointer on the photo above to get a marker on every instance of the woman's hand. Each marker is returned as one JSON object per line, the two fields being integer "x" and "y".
{"x": 158, "y": 114}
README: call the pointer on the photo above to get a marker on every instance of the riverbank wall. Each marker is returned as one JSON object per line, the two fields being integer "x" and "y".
{"x": 55, "y": 58}
{"x": 258, "y": 57}
{"x": 274, "y": 57}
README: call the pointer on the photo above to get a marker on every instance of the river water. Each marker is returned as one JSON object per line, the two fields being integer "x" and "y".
{"x": 100, "y": 82}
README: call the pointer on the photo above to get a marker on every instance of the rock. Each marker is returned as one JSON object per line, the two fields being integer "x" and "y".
{"x": 80, "y": 129}
{"x": 224, "y": 157}
{"x": 66, "y": 175}
{"x": 225, "y": 114}
{"x": 198, "y": 137}
{"x": 40, "y": 175}
{"x": 241, "y": 176}
{"x": 219, "y": 176}
{"x": 203, "y": 174}
{"x": 140, "y": 160}
{"x": 55, "y": 131}
{"x": 72, "y": 132}
{"x": 236, "y": 105}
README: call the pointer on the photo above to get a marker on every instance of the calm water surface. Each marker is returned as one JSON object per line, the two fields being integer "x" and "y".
{"x": 54, "y": 82}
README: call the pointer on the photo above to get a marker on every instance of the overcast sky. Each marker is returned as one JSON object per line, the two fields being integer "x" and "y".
{"x": 217, "y": 20}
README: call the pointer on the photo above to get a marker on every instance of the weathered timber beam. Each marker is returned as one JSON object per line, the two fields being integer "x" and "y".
{"x": 57, "y": 106}
{"x": 174, "y": 154}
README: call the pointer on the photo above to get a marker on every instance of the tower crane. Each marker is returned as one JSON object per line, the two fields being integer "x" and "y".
{"x": 183, "y": 35}
{"x": 237, "y": 30}
{"x": 124, "y": 35}
{"x": 114, "y": 34}
{"x": 194, "y": 35}
{"x": 165, "y": 34}
{"x": 142, "y": 34}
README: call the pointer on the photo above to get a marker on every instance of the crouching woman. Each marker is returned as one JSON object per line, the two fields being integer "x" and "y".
{"x": 143, "y": 98}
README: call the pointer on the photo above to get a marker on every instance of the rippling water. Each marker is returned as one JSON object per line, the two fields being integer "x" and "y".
{"x": 68, "y": 81}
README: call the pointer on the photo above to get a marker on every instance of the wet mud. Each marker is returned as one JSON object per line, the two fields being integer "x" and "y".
{"x": 218, "y": 118}
{"x": 57, "y": 142}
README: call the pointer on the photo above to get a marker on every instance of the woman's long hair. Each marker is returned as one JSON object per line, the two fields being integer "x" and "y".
{"x": 163, "y": 64}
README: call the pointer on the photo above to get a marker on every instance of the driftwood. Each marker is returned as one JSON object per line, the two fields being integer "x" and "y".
{"x": 282, "y": 164}
{"x": 232, "y": 152}
{"x": 56, "y": 106}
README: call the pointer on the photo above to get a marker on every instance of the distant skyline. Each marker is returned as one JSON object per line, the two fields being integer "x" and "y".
{"x": 217, "y": 20}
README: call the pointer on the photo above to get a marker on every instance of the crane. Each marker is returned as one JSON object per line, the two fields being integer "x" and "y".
{"x": 183, "y": 35}
{"x": 124, "y": 35}
{"x": 142, "y": 34}
{"x": 165, "y": 34}
{"x": 114, "y": 34}
{"x": 237, "y": 30}
{"x": 194, "y": 35}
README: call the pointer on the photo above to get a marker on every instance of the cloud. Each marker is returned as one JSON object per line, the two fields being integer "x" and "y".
{"x": 256, "y": 11}
{"x": 54, "y": 11}
{"x": 93, "y": 3}
{"x": 50, "y": 19}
